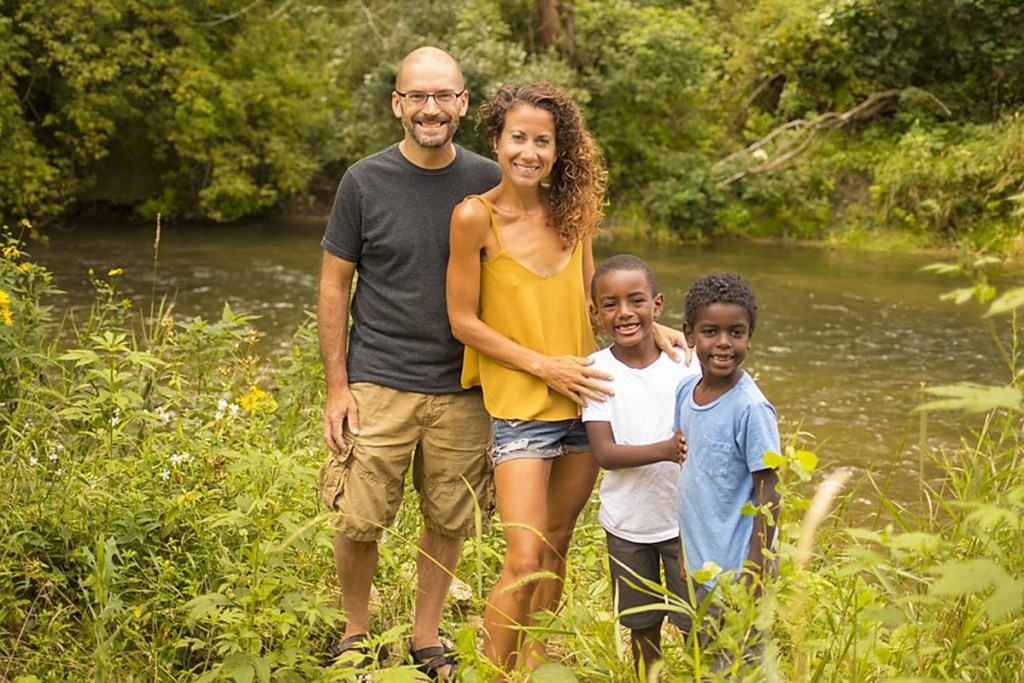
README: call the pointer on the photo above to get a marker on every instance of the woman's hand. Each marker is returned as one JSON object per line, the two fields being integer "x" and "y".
{"x": 571, "y": 376}
{"x": 670, "y": 340}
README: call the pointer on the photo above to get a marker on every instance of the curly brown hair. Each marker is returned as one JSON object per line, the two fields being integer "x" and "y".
{"x": 578, "y": 177}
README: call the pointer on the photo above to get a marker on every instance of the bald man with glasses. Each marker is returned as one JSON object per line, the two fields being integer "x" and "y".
{"x": 394, "y": 397}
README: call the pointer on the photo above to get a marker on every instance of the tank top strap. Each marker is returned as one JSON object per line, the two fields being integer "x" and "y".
{"x": 494, "y": 223}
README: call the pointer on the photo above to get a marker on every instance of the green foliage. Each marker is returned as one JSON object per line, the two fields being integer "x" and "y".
{"x": 158, "y": 479}
{"x": 220, "y": 111}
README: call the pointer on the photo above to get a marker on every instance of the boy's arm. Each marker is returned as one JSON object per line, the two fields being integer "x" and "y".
{"x": 613, "y": 456}
{"x": 765, "y": 493}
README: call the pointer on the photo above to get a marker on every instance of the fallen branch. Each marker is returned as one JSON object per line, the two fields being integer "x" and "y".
{"x": 803, "y": 134}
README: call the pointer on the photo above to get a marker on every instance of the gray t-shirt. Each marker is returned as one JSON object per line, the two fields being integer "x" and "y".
{"x": 391, "y": 218}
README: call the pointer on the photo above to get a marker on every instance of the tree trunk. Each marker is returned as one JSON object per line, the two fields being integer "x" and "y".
{"x": 550, "y": 24}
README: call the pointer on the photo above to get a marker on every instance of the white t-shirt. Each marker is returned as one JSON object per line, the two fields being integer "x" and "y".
{"x": 639, "y": 503}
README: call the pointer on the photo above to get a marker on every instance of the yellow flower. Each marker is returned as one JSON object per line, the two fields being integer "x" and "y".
{"x": 126, "y": 303}
{"x": 11, "y": 251}
{"x": 257, "y": 399}
{"x": 26, "y": 223}
{"x": 5, "y": 309}
{"x": 114, "y": 272}
{"x": 23, "y": 268}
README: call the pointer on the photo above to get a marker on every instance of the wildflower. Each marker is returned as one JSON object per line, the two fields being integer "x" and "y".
{"x": 25, "y": 223}
{"x": 115, "y": 419}
{"x": 164, "y": 415}
{"x": 23, "y": 268}
{"x": 11, "y": 252}
{"x": 5, "y": 308}
{"x": 178, "y": 458}
{"x": 53, "y": 457}
{"x": 33, "y": 461}
{"x": 225, "y": 408}
{"x": 256, "y": 399}
{"x": 114, "y": 272}
{"x": 165, "y": 475}
{"x": 126, "y": 303}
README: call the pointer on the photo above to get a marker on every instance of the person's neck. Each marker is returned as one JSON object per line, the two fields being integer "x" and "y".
{"x": 710, "y": 389}
{"x": 637, "y": 357}
{"x": 528, "y": 202}
{"x": 430, "y": 158}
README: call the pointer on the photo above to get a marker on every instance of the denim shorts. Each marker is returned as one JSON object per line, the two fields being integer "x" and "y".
{"x": 514, "y": 439}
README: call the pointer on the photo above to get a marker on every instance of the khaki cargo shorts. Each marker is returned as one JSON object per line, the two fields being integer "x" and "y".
{"x": 444, "y": 437}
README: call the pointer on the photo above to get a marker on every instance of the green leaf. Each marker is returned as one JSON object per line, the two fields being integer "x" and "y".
{"x": 1007, "y": 301}
{"x": 709, "y": 571}
{"x": 915, "y": 540}
{"x": 973, "y": 399}
{"x": 553, "y": 673}
{"x": 808, "y": 460}
{"x": 204, "y": 605}
{"x": 885, "y": 615}
{"x": 975, "y": 576}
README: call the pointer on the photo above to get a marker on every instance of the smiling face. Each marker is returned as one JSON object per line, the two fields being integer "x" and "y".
{"x": 526, "y": 147}
{"x": 720, "y": 336}
{"x": 626, "y": 309}
{"x": 429, "y": 126}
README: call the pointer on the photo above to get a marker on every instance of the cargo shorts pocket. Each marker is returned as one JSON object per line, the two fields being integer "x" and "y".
{"x": 332, "y": 477}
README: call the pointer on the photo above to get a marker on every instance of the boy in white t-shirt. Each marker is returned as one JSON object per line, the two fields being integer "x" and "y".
{"x": 632, "y": 437}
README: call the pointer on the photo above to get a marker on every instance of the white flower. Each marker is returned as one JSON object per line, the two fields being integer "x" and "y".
{"x": 178, "y": 458}
{"x": 53, "y": 457}
{"x": 165, "y": 475}
{"x": 235, "y": 409}
{"x": 164, "y": 415}
{"x": 33, "y": 461}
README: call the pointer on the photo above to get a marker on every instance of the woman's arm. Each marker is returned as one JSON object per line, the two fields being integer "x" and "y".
{"x": 568, "y": 375}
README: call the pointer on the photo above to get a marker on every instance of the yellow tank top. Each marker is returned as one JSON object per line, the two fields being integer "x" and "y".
{"x": 546, "y": 314}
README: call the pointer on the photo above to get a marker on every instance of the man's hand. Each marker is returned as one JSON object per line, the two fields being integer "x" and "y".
{"x": 340, "y": 407}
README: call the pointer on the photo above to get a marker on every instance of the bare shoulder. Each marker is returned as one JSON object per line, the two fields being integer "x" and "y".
{"x": 471, "y": 210}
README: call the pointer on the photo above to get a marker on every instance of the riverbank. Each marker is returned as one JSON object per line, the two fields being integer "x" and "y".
{"x": 158, "y": 475}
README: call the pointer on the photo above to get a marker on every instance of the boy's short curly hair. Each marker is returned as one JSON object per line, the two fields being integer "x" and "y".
{"x": 720, "y": 288}
{"x": 624, "y": 262}
{"x": 579, "y": 179}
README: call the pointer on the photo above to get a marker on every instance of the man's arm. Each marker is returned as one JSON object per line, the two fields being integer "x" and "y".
{"x": 332, "y": 310}
{"x": 766, "y": 493}
{"x": 613, "y": 456}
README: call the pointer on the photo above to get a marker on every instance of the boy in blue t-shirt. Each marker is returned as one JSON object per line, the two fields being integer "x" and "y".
{"x": 632, "y": 437}
{"x": 729, "y": 426}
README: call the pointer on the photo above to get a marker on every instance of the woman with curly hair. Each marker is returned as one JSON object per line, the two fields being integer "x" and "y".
{"x": 518, "y": 293}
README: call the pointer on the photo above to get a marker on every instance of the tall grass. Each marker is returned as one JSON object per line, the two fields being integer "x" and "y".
{"x": 160, "y": 522}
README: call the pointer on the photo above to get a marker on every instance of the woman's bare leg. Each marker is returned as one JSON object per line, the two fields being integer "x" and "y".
{"x": 522, "y": 496}
{"x": 569, "y": 488}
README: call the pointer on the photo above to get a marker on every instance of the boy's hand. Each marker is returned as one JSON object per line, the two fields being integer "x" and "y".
{"x": 681, "y": 449}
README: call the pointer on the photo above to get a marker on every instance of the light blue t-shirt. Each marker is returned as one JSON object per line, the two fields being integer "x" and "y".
{"x": 726, "y": 440}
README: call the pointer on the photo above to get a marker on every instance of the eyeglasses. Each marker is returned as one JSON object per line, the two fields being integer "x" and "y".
{"x": 443, "y": 98}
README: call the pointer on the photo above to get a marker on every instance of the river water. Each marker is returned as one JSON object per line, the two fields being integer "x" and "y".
{"x": 844, "y": 341}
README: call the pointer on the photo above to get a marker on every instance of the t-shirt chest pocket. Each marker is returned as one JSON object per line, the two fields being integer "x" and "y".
{"x": 713, "y": 457}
